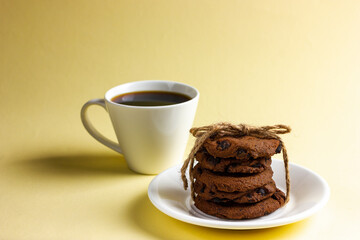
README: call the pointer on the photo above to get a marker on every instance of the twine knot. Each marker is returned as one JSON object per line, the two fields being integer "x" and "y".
{"x": 228, "y": 129}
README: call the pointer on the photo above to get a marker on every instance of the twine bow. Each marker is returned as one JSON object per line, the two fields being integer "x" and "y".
{"x": 228, "y": 129}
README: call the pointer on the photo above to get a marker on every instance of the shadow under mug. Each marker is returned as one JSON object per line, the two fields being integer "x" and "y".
{"x": 153, "y": 138}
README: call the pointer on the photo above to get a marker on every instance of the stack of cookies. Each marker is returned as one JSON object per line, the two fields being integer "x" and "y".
{"x": 233, "y": 177}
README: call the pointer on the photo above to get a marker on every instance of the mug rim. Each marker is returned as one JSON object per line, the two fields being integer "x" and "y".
{"x": 192, "y": 99}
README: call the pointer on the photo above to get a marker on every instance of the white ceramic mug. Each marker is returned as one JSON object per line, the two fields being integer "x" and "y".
{"x": 151, "y": 139}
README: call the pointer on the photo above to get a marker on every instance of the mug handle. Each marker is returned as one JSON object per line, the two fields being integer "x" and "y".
{"x": 92, "y": 130}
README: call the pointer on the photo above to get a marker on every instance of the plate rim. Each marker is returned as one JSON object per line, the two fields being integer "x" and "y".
{"x": 235, "y": 224}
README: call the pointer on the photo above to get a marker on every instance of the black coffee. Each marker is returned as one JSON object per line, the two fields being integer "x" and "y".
{"x": 150, "y": 98}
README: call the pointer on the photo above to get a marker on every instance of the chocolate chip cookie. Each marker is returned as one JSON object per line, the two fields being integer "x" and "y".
{"x": 244, "y": 147}
{"x": 231, "y": 210}
{"x": 231, "y": 165}
{"x": 251, "y": 196}
{"x": 232, "y": 182}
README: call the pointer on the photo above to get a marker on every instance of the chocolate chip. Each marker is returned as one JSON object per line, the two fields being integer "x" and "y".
{"x": 257, "y": 165}
{"x": 223, "y": 145}
{"x": 217, "y": 200}
{"x": 240, "y": 151}
{"x": 212, "y": 193}
{"x": 214, "y": 161}
{"x": 278, "y": 149}
{"x": 249, "y": 195}
{"x": 261, "y": 191}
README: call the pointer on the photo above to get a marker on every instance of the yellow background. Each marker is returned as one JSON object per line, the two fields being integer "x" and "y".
{"x": 256, "y": 62}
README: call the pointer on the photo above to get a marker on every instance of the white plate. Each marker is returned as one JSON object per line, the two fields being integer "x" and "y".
{"x": 309, "y": 193}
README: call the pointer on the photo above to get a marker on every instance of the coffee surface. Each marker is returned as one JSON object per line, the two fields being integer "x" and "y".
{"x": 150, "y": 98}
